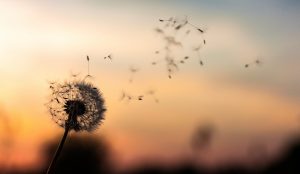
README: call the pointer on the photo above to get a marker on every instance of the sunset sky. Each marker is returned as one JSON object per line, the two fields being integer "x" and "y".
{"x": 42, "y": 41}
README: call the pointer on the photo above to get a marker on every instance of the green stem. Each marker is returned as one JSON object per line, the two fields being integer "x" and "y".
{"x": 58, "y": 151}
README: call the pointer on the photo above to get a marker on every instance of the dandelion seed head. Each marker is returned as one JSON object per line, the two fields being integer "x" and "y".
{"x": 77, "y": 104}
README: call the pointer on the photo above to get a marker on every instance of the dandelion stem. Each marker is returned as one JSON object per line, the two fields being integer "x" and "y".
{"x": 88, "y": 67}
{"x": 58, "y": 151}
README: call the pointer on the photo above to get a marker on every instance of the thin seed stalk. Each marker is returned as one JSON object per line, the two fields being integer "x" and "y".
{"x": 58, "y": 150}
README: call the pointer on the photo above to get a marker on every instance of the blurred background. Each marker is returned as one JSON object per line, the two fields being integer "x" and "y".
{"x": 217, "y": 117}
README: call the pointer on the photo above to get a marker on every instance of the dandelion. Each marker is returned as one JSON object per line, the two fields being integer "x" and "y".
{"x": 76, "y": 105}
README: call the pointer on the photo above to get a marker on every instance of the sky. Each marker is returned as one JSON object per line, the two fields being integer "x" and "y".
{"x": 42, "y": 41}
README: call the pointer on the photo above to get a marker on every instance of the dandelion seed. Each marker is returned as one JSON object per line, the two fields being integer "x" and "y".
{"x": 140, "y": 97}
{"x": 123, "y": 95}
{"x": 197, "y": 48}
{"x": 51, "y": 82}
{"x": 88, "y": 60}
{"x": 74, "y": 75}
{"x": 197, "y": 28}
{"x": 171, "y": 40}
{"x": 163, "y": 20}
{"x": 88, "y": 77}
{"x": 258, "y": 61}
{"x": 129, "y": 97}
{"x": 200, "y": 30}
{"x": 182, "y": 61}
{"x": 158, "y": 30}
{"x": 186, "y": 57}
{"x": 174, "y": 22}
{"x": 152, "y": 93}
{"x": 108, "y": 57}
{"x": 178, "y": 27}
{"x": 201, "y": 62}
{"x": 132, "y": 70}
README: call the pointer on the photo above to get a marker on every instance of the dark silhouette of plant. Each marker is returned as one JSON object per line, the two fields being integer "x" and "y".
{"x": 82, "y": 154}
{"x": 74, "y": 105}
